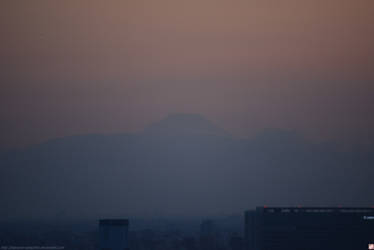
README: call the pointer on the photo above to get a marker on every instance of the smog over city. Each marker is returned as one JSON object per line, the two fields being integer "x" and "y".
{"x": 186, "y": 124}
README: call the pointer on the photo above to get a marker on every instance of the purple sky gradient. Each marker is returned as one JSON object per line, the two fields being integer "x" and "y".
{"x": 71, "y": 67}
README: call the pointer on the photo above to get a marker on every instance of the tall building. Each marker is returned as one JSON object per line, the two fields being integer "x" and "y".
{"x": 208, "y": 235}
{"x": 113, "y": 234}
{"x": 309, "y": 228}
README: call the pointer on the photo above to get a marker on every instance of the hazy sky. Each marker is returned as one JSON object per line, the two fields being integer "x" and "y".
{"x": 70, "y": 67}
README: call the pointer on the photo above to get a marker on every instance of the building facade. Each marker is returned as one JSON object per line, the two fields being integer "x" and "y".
{"x": 309, "y": 228}
{"x": 113, "y": 234}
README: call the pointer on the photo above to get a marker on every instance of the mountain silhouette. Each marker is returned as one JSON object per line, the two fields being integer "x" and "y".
{"x": 184, "y": 124}
{"x": 181, "y": 165}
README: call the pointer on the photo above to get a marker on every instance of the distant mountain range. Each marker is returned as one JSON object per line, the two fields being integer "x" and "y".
{"x": 181, "y": 165}
{"x": 184, "y": 124}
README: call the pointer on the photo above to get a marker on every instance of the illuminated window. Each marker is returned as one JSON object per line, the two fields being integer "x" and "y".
{"x": 371, "y": 246}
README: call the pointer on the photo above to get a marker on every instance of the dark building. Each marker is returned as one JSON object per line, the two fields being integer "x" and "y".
{"x": 207, "y": 228}
{"x": 309, "y": 228}
{"x": 208, "y": 235}
{"x": 113, "y": 234}
{"x": 236, "y": 243}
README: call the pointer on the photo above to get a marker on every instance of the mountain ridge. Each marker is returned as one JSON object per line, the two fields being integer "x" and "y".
{"x": 136, "y": 174}
{"x": 184, "y": 124}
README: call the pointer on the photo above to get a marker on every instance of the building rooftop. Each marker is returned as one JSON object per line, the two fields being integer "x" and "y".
{"x": 299, "y": 209}
{"x": 114, "y": 222}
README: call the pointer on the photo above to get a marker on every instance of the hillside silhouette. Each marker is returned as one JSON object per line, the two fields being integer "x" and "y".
{"x": 181, "y": 165}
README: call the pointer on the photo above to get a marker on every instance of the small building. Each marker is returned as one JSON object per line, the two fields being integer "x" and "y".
{"x": 207, "y": 228}
{"x": 113, "y": 234}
